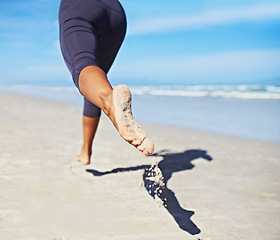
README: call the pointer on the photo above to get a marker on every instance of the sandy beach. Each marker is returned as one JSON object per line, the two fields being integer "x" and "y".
{"x": 214, "y": 187}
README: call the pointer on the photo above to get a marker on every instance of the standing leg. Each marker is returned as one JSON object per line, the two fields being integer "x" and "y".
{"x": 91, "y": 116}
{"x": 90, "y": 125}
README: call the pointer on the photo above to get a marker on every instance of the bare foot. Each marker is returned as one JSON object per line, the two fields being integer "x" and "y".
{"x": 84, "y": 157}
{"x": 125, "y": 123}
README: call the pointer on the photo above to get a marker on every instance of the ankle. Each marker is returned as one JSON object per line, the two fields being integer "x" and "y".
{"x": 106, "y": 99}
{"x": 86, "y": 149}
{"x": 108, "y": 108}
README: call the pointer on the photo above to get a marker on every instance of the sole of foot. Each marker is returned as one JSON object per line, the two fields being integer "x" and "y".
{"x": 128, "y": 128}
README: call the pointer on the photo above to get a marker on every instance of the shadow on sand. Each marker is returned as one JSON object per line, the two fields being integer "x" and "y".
{"x": 171, "y": 163}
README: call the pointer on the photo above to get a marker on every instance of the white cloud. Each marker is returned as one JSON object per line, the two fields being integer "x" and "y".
{"x": 205, "y": 19}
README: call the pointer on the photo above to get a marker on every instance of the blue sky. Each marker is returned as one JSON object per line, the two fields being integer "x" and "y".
{"x": 167, "y": 42}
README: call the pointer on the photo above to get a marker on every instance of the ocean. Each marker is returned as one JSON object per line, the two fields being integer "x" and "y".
{"x": 248, "y": 111}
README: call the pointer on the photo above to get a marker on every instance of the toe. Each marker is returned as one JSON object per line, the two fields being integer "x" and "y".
{"x": 148, "y": 145}
{"x": 146, "y": 152}
{"x": 141, "y": 148}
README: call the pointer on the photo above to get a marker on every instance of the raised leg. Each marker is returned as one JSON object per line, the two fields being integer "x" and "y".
{"x": 116, "y": 104}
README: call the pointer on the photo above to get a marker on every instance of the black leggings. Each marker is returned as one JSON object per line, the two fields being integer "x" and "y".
{"x": 91, "y": 33}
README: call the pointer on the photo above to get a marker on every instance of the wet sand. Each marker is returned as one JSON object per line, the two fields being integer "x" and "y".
{"x": 213, "y": 187}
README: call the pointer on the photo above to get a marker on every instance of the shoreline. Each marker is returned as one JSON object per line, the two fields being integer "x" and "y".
{"x": 221, "y": 187}
{"x": 249, "y": 119}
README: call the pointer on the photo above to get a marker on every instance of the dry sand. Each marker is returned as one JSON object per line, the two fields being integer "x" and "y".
{"x": 217, "y": 187}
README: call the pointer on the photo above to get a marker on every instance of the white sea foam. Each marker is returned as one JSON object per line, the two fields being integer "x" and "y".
{"x": 253, "y": 92}
{"x": 222, "y": 91}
